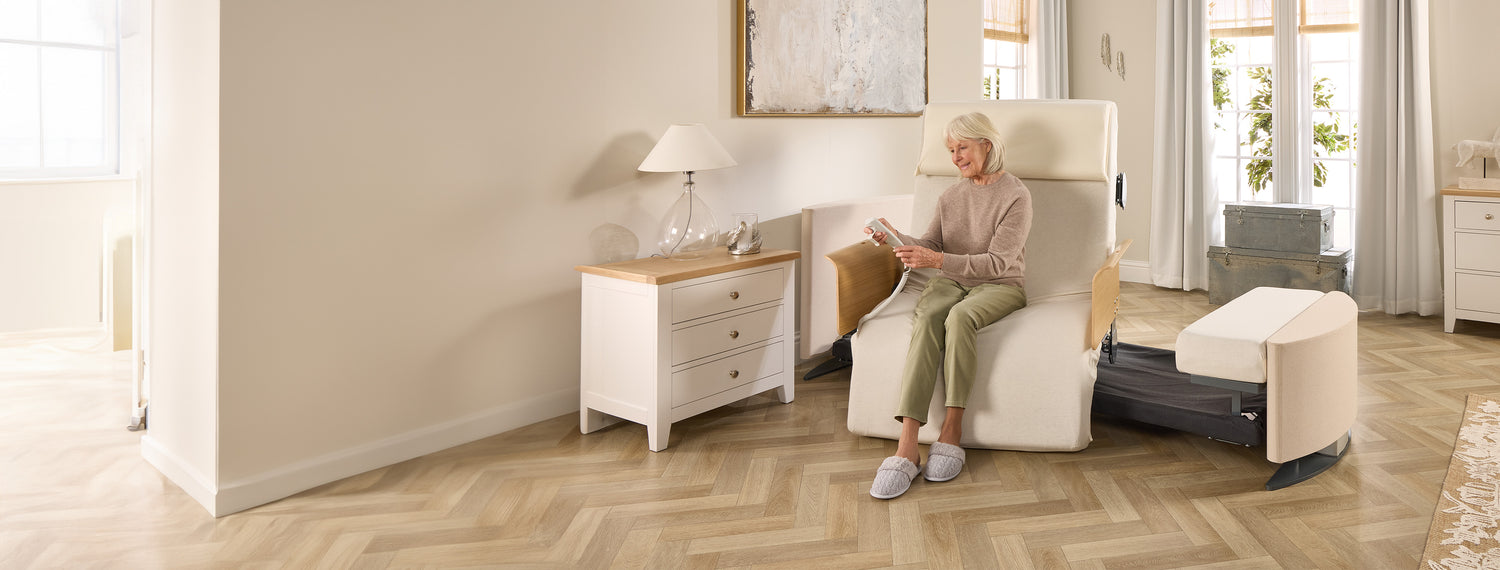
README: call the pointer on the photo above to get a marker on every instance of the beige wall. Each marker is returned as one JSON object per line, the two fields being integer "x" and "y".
{"x": 54, "y": 239}
{"x": 182, "y": 340}
{"x": 1131, "y": 27}
{"x": 1464, "y": 82}
{"x": 403, "y": 190}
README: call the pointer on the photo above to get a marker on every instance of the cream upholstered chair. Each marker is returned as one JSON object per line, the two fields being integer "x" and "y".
{"x": 1036, "y": 366}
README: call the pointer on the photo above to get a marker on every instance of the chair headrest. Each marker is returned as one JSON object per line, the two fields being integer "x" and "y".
{"x": 1044, "y": 139}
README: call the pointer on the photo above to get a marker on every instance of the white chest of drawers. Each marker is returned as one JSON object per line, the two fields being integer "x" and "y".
{"x": 666, "y": 339}
{"x": 1471, "y": 256}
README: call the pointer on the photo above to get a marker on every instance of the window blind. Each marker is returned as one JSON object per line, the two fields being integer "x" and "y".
{"x": 1005, "y": 20}
{"x": 1328, "y": 16}
{"x": 1243, "y": 18}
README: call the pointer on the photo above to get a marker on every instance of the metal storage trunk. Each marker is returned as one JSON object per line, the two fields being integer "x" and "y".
{"x": 1234, "y": 271}
{"x": 1302, "y": 228}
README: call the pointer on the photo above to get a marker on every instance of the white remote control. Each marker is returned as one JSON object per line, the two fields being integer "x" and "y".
{"x": 875, "y": 225}
{"x": 890, "y": 236}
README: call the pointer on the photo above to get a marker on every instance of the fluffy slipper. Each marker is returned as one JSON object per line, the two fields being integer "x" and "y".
{"x": 944, "y": 461}
{"x": 894, "y": 477}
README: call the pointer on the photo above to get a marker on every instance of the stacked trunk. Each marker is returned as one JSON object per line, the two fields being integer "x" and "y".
{"x": 1276, "y": 245}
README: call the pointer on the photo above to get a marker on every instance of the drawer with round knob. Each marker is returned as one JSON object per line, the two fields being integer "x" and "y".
{"x": 698, "y": 341}
{"x": 715, "y": 297}
{"x": 1476, "y": 215}
{"x": 716, "y": 376}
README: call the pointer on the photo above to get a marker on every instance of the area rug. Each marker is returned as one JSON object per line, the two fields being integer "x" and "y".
{"x": 1466, "y": 522}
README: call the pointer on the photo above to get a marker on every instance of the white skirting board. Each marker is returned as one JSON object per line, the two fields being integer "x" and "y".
{"x": 190, "y": 480}
{"x": 235, "y": 496}
{"x": 1135, "y": 271}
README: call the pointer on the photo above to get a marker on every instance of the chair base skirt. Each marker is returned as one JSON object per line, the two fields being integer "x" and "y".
{"x": 833, "y": 364}
{"x": 841, "y": 356}
{"x": 1307, "y": 466}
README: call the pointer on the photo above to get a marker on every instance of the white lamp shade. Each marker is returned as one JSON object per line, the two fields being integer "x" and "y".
{"x": 686, "y": 148}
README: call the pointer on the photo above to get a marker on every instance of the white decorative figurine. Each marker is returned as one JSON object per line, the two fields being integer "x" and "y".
{"x": 1483, "y": 150}
{"x": 744, "y": 237}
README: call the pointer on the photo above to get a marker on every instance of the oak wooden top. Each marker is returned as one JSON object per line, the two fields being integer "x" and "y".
{"x": 657, "y": 270}
{"x": 1456, "y": 191}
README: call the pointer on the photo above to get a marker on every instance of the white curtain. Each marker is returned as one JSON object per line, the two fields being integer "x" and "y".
{"x": 1396, "y": 259}
{"x": 1184, "y": 205}
{"x": 1052, "y": 56}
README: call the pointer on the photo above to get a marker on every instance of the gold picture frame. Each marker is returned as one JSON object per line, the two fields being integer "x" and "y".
{"x": 774, "y": 81}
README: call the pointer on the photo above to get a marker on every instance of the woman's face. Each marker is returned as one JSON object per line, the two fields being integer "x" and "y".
{"x": 969, "y": 155}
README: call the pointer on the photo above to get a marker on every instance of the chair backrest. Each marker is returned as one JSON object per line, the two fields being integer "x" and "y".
{"x": 1064, "y": 151}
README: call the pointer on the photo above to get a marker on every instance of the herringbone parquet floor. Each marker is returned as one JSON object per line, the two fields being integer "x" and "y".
{"x": 758, "y": 484}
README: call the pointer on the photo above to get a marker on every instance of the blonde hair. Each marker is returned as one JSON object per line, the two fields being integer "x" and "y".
{"x": 976, "y": 126}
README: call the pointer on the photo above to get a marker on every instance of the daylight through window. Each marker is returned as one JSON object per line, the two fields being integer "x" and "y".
{"x": 59, "y": 88}
{"x": 1005, "y": 39}
{"x": 1265, "y": 150}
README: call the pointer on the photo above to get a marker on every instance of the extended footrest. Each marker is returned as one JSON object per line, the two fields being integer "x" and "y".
{"x": 1275, "y": 366}
{"x": 1143, "y": 385}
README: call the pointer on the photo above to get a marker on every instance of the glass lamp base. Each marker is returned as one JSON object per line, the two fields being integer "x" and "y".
{"x": 688, "y": 230}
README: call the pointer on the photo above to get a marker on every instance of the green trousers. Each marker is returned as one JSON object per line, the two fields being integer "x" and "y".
{"x": 948, "y": 317}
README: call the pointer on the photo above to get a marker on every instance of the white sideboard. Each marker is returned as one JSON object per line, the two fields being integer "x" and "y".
{"x": 667, "y": 339}
{"x": 1471, "y": 256}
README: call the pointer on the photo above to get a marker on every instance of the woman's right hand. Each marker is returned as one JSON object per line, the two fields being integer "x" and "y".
{"x": 879, "y": 237}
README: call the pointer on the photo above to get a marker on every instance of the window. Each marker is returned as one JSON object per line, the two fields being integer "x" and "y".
{"x": 1005, "y": 40}
{"x": 1307, "y": 146}
{"x": 59, "y": 88}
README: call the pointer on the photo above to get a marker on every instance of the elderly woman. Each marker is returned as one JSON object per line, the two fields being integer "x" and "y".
{"x": 977, "y": 239}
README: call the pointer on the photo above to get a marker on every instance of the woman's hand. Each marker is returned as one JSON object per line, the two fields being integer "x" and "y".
{"x": 917, "y": 257}
{"x": 879, "y": 237}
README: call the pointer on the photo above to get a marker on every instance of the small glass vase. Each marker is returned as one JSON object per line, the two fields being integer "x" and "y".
{"x": 744, "y": 235}
{"x": 689, "y": 228}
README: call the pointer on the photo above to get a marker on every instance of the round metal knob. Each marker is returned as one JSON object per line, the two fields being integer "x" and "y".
{"x": 734, "y": 334}
{"x": 734, "y": 294}
{"x": 734, "y": 374}
{"x": 1489, "y": 216}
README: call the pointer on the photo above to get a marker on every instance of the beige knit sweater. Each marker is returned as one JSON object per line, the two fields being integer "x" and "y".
{"x": 981, "y": 231}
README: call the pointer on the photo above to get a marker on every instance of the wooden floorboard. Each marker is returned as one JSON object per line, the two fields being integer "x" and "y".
{"x": 755, "y": 484}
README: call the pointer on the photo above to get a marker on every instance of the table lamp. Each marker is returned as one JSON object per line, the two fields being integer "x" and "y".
{"x": 688, "y": 225}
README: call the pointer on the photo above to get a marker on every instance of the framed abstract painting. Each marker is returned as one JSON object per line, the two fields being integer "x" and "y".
{"x": 832, "y": 57}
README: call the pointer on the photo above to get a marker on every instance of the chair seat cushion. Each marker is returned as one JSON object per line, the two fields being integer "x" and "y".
{"x": 1034, "y": 383}
{"x": 1230, "y": 342}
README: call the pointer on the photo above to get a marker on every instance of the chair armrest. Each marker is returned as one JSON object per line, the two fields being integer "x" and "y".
{"x": 1106, "y": 297}
{"x": 866, "y": 273}
{"x": 827, "y": 227}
